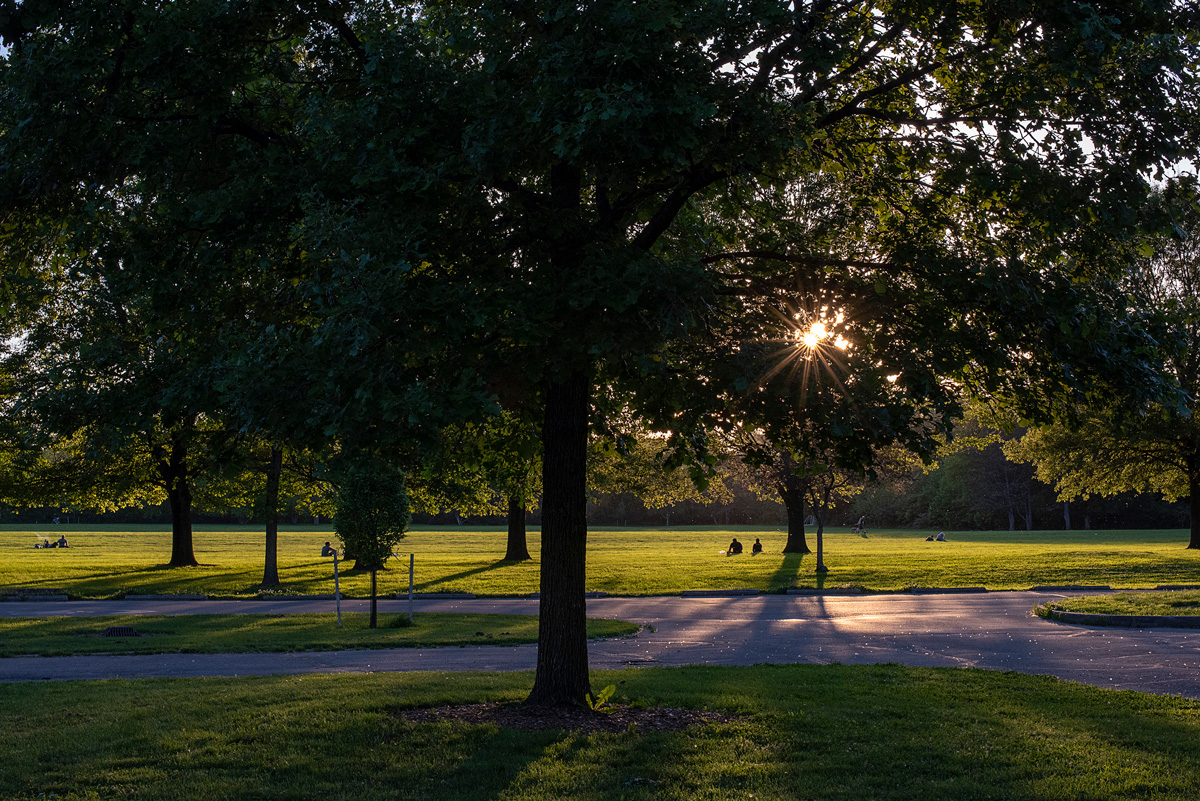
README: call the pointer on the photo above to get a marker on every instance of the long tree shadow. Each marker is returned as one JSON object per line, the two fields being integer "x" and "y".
{"x": 465, "y": 573}
{"x": 789, "y": 569}
{"x": 75, "y": 582}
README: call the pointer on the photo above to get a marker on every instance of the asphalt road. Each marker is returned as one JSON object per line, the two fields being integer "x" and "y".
{"x": 996, "y": 631}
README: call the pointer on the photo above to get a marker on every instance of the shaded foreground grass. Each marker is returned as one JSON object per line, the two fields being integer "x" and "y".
{"x": 803, "y": 731}
{"x": 215, "y": 634}
{"x": 1177, "y": 602}
{"x": 108, "y": 561}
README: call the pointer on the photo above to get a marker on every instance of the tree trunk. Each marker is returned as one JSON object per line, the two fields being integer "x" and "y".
{"x": 518, "y": 548}
{"x": 173, "y": 470}
{"x": 271, "y": 559}
{"x": 1067, "y": 515}
{"x": 1029, "y": 512}
{"x": 182, "y": 552}
{"x": 793, "y": 502}
{"x": 822, "y": 512}
{"x": 1194, "y": 505}
{"x": 562, "y": 661}
{"x": 821, "y": 546}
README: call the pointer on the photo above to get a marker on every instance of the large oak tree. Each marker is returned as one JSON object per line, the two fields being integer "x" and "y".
{"x": 540, "y": 200}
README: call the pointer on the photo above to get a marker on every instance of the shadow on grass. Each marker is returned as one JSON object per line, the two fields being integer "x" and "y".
{"x": 788, "y": 570}
{"x": 465, "y": 573}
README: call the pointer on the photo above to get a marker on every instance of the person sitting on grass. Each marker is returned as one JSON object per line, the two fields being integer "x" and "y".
{"x": 941, "y": 537}
{"x": 756, "y": 548}
{"x": 62, "y": 541}
{"x": 328, "y": 550}
{"x": 735, "y": 547}
{"x": 929, "y": 538}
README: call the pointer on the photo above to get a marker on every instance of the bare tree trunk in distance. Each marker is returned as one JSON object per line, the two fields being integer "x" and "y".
{"x": 518, "y": 547}
{"x": 271, "y": 558}
{"x": 562, "y": 660}
{"x": 1067, "y": 515}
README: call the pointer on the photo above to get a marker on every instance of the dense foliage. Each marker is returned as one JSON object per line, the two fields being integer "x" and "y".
{"x": 1156, "y": 448}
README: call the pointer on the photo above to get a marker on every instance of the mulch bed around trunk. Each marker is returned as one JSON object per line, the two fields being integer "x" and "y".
{"x": 576, "y": 719}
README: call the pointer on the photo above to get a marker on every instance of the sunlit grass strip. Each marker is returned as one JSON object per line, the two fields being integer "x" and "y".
{"x": 1167, "y": 602}
{"x": 803, "y": 731}
{"x": 106, "y": 562}
{"x": 213, "y": 634}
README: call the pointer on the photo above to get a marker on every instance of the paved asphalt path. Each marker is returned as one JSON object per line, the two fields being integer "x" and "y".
{"x": 986, "y": 630}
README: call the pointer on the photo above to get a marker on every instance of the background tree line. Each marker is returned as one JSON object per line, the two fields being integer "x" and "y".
{"x": 971, "y": 488}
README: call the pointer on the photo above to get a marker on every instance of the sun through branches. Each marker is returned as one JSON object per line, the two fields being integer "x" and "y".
{"x": 815, "y": 343}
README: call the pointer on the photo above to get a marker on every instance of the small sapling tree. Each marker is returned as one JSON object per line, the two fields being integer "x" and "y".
{"x": 372, "y": 512}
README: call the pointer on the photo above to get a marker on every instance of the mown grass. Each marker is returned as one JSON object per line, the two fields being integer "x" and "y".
{"x": 217, "y": 634}
{"x": 1172, "y": 602}
{"x": 108, "y": 561}
{"x": 802, "y": 731}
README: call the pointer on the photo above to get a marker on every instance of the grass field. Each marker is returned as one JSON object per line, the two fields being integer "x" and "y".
{"x": 227, "y": 634}
{"x": 108, "y": 561}
{"x": 802, "y": 731}
{"x": 1180, "y": 602}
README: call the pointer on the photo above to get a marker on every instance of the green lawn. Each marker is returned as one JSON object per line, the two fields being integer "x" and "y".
{"x": 107, "y": 561}
{"x": 803, "y": 731}
{"x": 217, "y": 634}
{"x": 1177, "y": 602}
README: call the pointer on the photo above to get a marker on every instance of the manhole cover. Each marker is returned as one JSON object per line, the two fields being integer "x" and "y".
{"x": 120, "y": 631}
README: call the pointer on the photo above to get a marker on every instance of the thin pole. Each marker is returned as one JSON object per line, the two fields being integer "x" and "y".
{"x": 411, "y": 557}
{"x": 337, "y": 594}
{"x": 373, "y": 605}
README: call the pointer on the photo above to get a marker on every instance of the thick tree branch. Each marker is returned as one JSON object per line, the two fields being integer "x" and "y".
{"x": 698, "y": 178}
{"x": 336, "y": 19}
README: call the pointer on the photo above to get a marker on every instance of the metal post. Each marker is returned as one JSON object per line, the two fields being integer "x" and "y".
{"x": 411, "y": 557}
{"x": 337, "y": 593}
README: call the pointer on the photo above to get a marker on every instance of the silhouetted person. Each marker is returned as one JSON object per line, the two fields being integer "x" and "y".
{"x": 756, "y": 548}
{"x": 735, "y": 547}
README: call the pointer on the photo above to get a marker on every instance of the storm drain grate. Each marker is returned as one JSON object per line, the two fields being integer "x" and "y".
{"x": 120, "y": 631}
